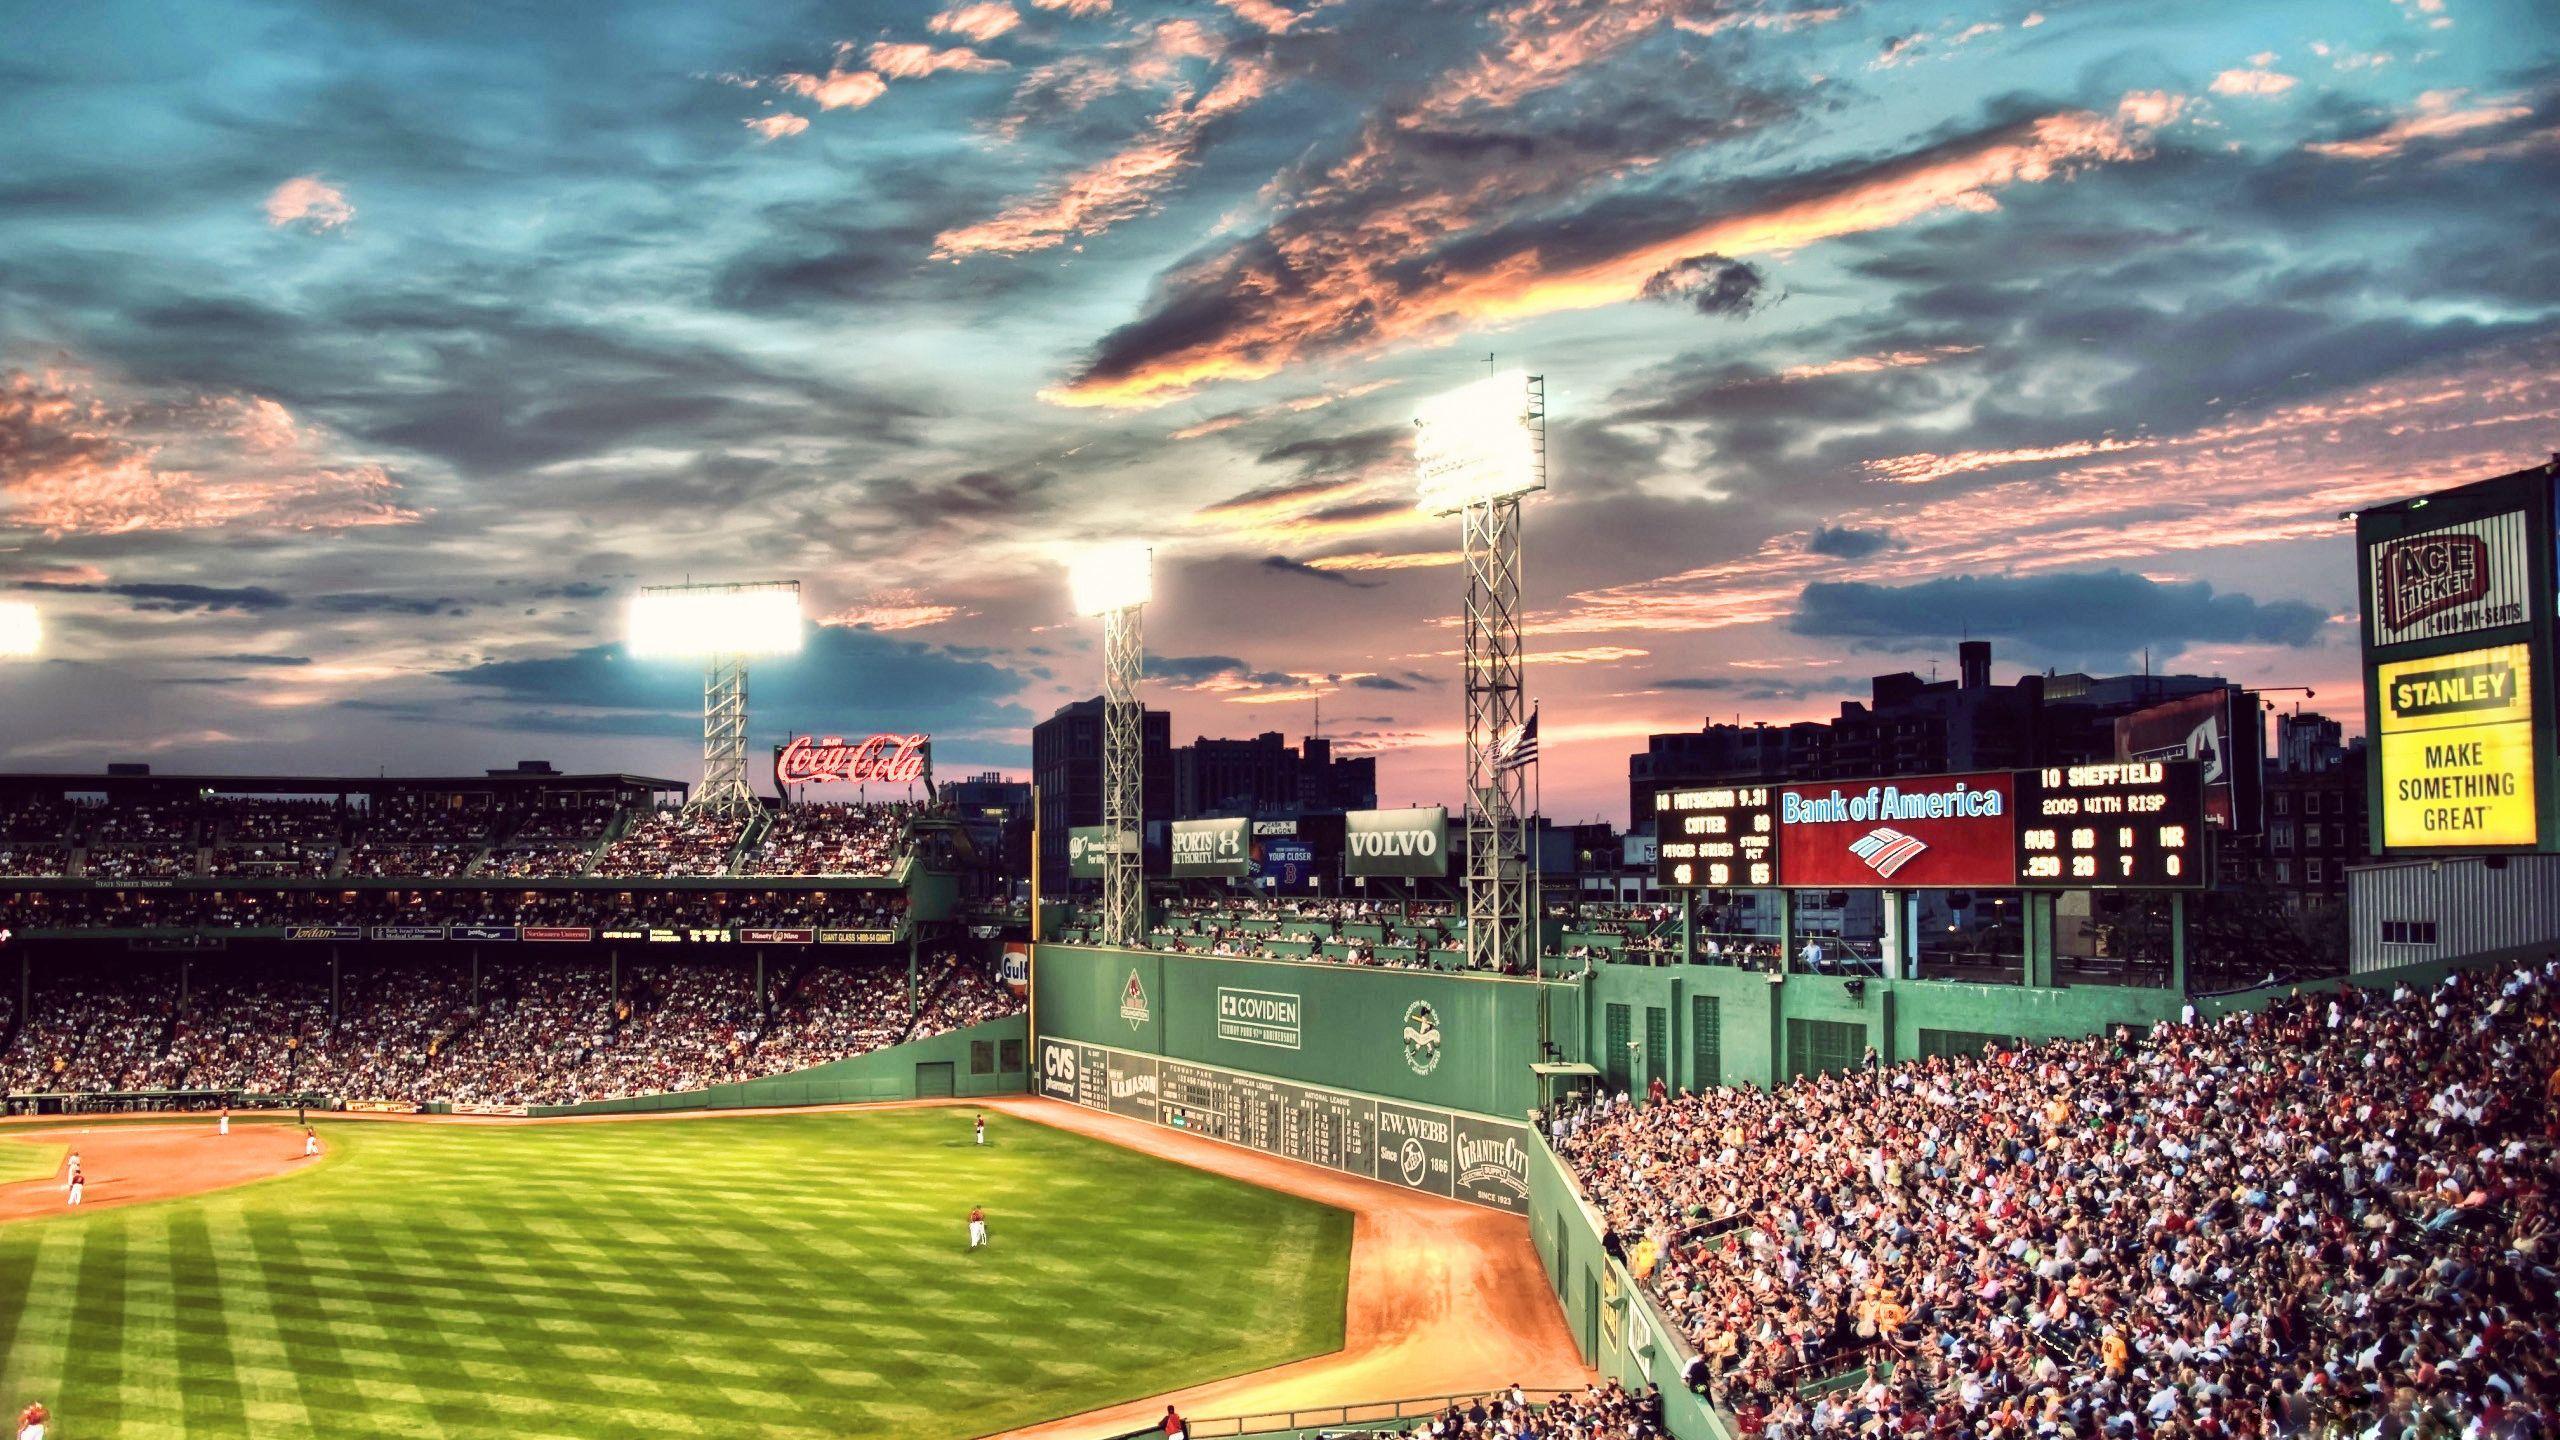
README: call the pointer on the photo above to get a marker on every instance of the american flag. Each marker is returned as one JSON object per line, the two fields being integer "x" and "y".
{"x": 1519, "y": 748}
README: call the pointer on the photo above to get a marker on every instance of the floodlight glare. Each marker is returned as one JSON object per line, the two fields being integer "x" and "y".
{"x": 1114, "y": 576}
{"x": 694, "y": 621}
{"x": 1485, "y": 441}
{"x": 21, "y": 631}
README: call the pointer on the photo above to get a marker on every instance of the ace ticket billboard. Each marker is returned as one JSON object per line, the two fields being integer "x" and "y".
{"x": 1939, "y": 831}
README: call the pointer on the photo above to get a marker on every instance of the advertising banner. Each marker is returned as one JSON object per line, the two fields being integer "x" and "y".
{"x": 1015, "y": 971}
{"x": 857, "y": 937}
{"x": 2200, "y": 728}
{"x": 1396, "y": 842}
{"x": 1935, "y": 832}
{"x": 1258, "y": 1017}
{"x": 2457, "y": 750}
{"x": 778, "y": 937}
{"x": 1087, "y": 847}
{"x": 408, "y": 932}
{"x": 1204, "y": 848}
{"x": 481, "y": 932}
{"x": 1721, "y": 837}
{"x": 557, "y": 934}
{"x": 622, "y": 933}
{"x": 1413, "y": 1147}
{"x": 2449, "y": 581}
{"x": 324, "y": 932}
{"x": 832, "y": 759}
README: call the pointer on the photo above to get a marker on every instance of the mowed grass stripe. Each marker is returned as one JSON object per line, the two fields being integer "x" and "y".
{"x": 799, "y": 1275}
{"x": 31, "y": 1159}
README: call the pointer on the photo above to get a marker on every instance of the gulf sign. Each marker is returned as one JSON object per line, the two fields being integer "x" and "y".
{"x": 1939, "y": 831}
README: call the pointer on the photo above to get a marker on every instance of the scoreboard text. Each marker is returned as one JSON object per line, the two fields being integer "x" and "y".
{"x": 1715, "y": 836}
{"x": 2124, "y": 824}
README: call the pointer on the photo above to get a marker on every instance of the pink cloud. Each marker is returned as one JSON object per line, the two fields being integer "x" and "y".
{"x": 80, "y": 458}
{"x": 2440, "y": 115}
{"x": 2261, "y": 83}
{"x": 1298, "y": 291}
{"x": 778, "y": 125}
{"x": 838, "y": 89}
{"x": 980, "y": 22}
{"x": 1077, "y": 8}
{"x": 899, "y": 61}
{"x": 309, "y": 201}
{"x": 1116, "y": 188}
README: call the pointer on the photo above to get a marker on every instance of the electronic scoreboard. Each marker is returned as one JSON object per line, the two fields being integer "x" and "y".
{"x": 1720, "y": 837}
{"x": 2108, "y": 825}
{"x": 2122, "y": 825}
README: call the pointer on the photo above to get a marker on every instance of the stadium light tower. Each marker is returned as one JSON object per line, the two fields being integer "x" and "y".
{"x": 21, "y": 630}
{"x": 723, "y": 626}
{"x": 1115, "y": 582}
{"x": 1477, "y": 450}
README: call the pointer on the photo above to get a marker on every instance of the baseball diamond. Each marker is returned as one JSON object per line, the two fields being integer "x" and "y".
{"x": 798, "y": 1275}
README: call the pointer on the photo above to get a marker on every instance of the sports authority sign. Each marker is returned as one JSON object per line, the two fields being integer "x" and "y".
{"x": 1396, "y": 842}
{"x": 2449, "y": 581}
{"x": 880, "y": 760}
{"x": 1210, "y": 847}
{"x": 1938, "y": 831}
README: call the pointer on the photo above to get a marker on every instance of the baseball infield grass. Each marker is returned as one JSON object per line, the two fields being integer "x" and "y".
{"x": 798, "y": 1275}
{"x": 30, "y": 1160}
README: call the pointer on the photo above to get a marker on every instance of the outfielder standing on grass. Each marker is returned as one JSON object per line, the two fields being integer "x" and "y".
{"x": 977, "y": 1225}
{"x": 31, "y": 1422}
{"x": 982, "y": 1129}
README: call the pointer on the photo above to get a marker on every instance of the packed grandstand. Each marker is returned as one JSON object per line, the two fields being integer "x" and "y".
{"x": 2330, "y": 1216}
{"x": 442, "y": 1029}
{"x": 437, "y": 836}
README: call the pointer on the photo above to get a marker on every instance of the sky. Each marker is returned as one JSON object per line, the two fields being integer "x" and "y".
{"x": 358, "y": 362}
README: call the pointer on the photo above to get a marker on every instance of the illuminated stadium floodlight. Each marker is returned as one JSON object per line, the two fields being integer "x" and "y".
{"x": 21, "y": 630}
{"x": 1116, "y": 576}
{"x": 1477, "y": 450}
{"x": 723, "y": 626}
{"x": 1481, "y": 442}
{"x": 1115, "y": 581}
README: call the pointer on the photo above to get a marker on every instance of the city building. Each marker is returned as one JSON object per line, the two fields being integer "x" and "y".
{"x": 1912, "y": 726}
{"x": 1267, "y": 776}
{"x": 1066, "y": 763}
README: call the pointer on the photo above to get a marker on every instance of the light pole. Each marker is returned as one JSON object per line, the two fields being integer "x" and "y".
{"x": 723, "y": 626}
{"x": 1114, "y": 582}
{"x": 1477, "y": 451}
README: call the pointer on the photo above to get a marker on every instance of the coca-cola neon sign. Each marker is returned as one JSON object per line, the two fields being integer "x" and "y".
{"x": 884, "y": 759}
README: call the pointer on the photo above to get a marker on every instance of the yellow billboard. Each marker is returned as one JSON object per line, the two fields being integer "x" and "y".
{"x": 2457, "y": 750}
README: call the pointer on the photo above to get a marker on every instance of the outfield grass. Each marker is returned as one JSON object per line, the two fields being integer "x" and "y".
{"x": 29, "y": 1159}
{"x": 800, "y": 1275}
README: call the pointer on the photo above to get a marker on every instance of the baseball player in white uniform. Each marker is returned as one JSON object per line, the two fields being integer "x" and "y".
{"x": 982, "y": 1129}
{"x": 310, "y": 1143}
{"x": 977, "y": 1226}
{"x": 78, "y": 1182}
{"x": 223, "y": 1125}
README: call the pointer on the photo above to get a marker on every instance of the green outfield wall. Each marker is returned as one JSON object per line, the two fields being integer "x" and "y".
{"x": 985, "y": 1059}
{"x": 1460, "y": 1042}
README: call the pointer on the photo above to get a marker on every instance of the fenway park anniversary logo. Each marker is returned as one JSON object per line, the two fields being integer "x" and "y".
{"x": 1421, "y": 1037}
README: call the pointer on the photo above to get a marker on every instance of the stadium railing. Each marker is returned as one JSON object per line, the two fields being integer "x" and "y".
{"x": 1362, "y": 1415}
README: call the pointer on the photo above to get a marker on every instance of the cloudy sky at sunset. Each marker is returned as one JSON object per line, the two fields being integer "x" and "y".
{"x": 357, "y": 361}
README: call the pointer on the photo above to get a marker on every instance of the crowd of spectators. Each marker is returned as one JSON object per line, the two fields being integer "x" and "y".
{"x": 831, "y": 840}
{"x": 2331, "y": 1216}
{"x": 672, "y": 843}
{"x": 1597, "y": 1412}
{"x": 513, "y": 1032}
{"x": 1420, "y": 935}
{"x": 428, "y": 836}
{"x": 34, "y": 910}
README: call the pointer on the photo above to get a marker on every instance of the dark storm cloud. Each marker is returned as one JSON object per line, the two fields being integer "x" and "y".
{"x": 373, "y": 603}
{"x": 176, "y": 599}
{"x": 1287, "y": 566}
{"x": 839, "y": 673}
{"x": 1337, "y": 455}
{"x": 1378, "y": 682}
{"x": 1712, "y": 285}
{"x": 1842, "y": 542}
{"x": 2095, "y": 617}
{"x": 1191, "y": 669}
